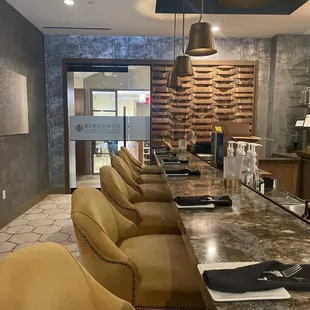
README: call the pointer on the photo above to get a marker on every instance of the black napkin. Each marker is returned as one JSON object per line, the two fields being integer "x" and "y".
{"x": 245, "y": 279}
{"x": 222, "y": 201}
{"x": 183, "y": 171}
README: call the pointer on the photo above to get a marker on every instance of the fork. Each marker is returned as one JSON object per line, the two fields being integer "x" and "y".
{"x": 285, "y": 273}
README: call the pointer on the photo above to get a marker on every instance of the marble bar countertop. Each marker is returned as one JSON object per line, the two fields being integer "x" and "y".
{"x": 253, "y": 229}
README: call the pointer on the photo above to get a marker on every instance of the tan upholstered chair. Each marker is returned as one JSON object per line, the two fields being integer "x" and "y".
{"x": 47, "y": 277}
{"x": 138, "y": 167}
{"x": 140, "y": 178}
{"x": 151, "y": 272}
{"x": 150, "y": 217}
{"x": 148, "y": 191}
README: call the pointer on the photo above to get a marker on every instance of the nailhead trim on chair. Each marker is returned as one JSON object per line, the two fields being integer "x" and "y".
{"x": 139, "y": 219}
{"x": 110, "y": 261}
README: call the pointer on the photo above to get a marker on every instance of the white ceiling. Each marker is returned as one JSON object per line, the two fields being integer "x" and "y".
{"x": 137, "y": 18}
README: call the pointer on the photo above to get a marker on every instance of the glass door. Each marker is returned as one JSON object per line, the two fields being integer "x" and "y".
{"x": 137, "y": 104}
{"x": 103, "y": 103}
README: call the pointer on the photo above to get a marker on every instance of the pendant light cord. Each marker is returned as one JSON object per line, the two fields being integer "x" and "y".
{"x": 183, "y": 47}
{"x": 174, "y": 35}
{"x": 201, "y": 15}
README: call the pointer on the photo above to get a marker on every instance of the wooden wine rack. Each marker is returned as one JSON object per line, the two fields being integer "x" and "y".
{"x": 218, "y": 91}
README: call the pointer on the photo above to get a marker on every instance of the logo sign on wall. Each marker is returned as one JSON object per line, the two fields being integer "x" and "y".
{"x": 91, "y": 128}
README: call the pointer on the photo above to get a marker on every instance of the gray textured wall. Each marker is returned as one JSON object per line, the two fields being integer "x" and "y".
{"x": 59, "y": 47}
{"x": 23, "y": 158}
{"x": 284, "y": 94}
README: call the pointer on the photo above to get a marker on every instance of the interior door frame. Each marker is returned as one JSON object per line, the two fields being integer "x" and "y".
{"x": 91, "y": 62}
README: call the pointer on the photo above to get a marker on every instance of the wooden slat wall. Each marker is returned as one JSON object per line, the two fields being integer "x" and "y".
{"x": 216, "y": 92}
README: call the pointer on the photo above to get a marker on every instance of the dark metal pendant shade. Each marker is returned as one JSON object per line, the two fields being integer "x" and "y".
{"x": 174, "y": 81}
{"x": 244, "y": 3}
{"x": 183, "y": 66}
{"x": 201, "y": 40}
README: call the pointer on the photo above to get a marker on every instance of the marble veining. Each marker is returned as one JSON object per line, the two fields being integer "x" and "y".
{"x": 253, "y": 229}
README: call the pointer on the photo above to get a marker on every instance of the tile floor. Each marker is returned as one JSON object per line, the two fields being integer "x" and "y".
{"x": 47, "y": 221}
{"x": 88, "y": 181}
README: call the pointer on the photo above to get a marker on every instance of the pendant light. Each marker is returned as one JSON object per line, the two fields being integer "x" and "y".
{"x": 174, "y": 81}
{"x": 183, "y": 64}
{"x": 201, "y": 39}
{"x": 244, "y": 4}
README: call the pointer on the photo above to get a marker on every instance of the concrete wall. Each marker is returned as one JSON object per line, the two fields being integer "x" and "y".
{"x": 23, "y": 158}
{"x": 284, "y": 94}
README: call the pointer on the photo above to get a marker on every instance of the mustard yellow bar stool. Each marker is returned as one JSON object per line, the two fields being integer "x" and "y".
{"x": 47, "y": 277}
{"x": 138, "y": 167}
{"x": 141, "y": 178}
{"x": 150, "y": 217}
{"x": 151, "y": 271}
{"x": 149, "y": 191}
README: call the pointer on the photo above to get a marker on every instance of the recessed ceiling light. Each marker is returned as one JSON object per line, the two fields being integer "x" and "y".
{"x": 120, "y": 83}
{"x": 215, "y": 29}
{"x": 69, "y": 2}
{"x": 114, "y": 74}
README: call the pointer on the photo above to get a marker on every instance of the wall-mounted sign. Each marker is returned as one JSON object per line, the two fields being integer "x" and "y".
{"x": 109, "y": 128}
{"x": 100, "y": 128}
{"x": 13, "y": 103}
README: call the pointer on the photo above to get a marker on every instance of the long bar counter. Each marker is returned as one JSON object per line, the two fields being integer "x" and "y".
{"x": 253, "y": 229}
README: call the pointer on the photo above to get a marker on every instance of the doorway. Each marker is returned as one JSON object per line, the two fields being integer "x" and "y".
{"x": 98, "y": 96}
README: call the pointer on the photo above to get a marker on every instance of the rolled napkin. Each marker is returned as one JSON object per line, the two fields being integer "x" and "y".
{"x": 222, "y": 201}
{"x": 182, "y": 172}
{"x": 257, "y": 278}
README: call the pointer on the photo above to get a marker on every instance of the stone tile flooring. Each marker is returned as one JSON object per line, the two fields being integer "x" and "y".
{"x": 47, "y": 221}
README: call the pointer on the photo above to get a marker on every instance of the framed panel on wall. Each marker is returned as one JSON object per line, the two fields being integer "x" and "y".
{"x": 13, "y": 103}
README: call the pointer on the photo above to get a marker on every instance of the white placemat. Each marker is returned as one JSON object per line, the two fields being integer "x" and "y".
{"x": 279, "y": 293}
{"x": 208, "y": 206}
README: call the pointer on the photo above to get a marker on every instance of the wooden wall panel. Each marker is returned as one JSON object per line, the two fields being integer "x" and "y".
{"x": 216, "y": 92}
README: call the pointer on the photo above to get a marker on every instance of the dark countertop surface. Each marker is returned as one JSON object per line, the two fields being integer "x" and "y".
{"x": 253, "y": 229}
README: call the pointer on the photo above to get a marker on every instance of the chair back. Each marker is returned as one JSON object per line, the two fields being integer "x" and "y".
{"x": 119, "y": 193}
{"x": 131, "y": 157}
{"x": 128, "y": 175}
{"x": 45, "y": 276}
{"x": 129, "y": 163}
{"x": 99, "y": 227}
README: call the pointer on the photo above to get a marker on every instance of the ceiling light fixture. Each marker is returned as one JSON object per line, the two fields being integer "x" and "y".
{"x": 183, "y": 64}
{"x": 174, "y": 81}
{"x": 201, "y": 39}
{"x": 244, "y": 4}
{"x": 215, "y": 28}
{"x": 69, "y": 2}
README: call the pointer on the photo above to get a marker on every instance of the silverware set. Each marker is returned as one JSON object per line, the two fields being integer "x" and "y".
{"x": 287, "y": 273}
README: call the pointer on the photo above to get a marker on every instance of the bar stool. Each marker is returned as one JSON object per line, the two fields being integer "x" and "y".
{"x": 151, "y": 271}
{"x": 138, "y": 167}
{"x": 45, "y": 276}
{"x": 148, "y": 191}
{"x": 150, "y": 217}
